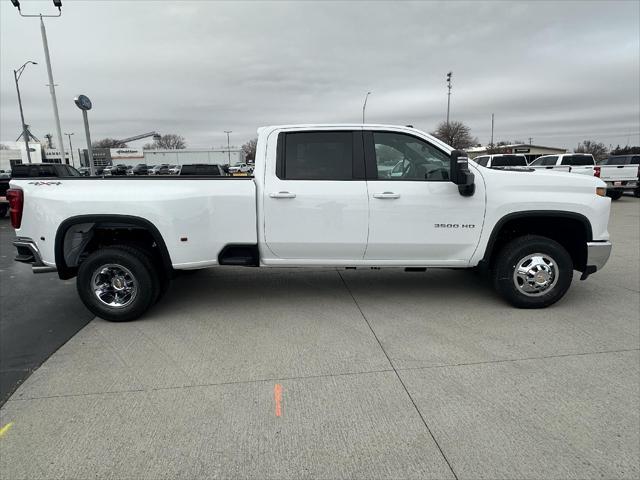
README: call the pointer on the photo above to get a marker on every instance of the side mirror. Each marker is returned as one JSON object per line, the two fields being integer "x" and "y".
{"x": 460, "y": 174}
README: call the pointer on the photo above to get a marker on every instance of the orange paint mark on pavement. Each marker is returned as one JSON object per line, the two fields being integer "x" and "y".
{"x": 277, "y": 396}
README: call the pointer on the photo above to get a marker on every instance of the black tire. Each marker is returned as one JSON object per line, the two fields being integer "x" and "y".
{"x": 514, "y": 254}
{"x": 636, "y": 192}
{"x": 121, "y": 259}
{"x": 614, "y": 194}
{"x": 4, "y": 208}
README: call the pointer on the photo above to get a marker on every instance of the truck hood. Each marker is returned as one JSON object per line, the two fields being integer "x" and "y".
{"x": 546, "y": 179}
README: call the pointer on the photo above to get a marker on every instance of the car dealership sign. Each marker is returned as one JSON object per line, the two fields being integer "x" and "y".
{"x": 126, "y": 153}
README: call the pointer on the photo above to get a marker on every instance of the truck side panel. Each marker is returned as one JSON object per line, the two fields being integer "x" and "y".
{"x": 196, "y": 218}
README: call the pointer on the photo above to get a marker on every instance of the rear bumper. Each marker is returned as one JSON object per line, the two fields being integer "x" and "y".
{"x": 597, "y": 256}
{"x": 624, "y": 185}
{"x": 28, "y": 253}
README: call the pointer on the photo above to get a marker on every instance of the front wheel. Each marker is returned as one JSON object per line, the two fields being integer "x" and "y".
{"x": 532, "y": 272}
{"x": 117, "y": 283}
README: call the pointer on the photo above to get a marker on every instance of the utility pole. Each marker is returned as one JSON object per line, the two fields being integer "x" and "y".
{"x": 364, "y": 106}
{"x": 491, "y": 130}
{"x": 228, "y": 146}
{"x": 448, "y": 94}
{"x": 25, "y": 131}
{"x": 530, "y": 140}
{"x": 45, "y": 45}
{"x": 71, "y": 148}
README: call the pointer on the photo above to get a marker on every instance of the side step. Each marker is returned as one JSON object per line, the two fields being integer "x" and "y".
{"x": 240, "y": 255}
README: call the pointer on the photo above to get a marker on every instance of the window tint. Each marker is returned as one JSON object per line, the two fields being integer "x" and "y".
{"x": 482, "y": 160}
{"x": 622, "y": 160}
{"x": 577, "y": 160}
{"x": 404, "y": 157}
{"x": 200, "y": 170}
{"x": 318, "y": 156}
{"x": 509, "y": 161}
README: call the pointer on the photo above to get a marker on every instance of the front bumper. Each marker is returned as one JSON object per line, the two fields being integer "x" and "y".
{"x": 597, "y": 256}
{"x": 28, "y": 252}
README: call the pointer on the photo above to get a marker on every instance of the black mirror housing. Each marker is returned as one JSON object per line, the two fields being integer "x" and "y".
{"x": 460, "y": 173}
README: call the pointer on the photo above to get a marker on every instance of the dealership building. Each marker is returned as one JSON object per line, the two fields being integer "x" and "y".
{"x": 133, "y": 156}
{"x": 530, "y": 151}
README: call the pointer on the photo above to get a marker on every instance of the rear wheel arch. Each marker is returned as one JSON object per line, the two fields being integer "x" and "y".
{"x": 101, "y": 223}
{"x": 572, "y": 230}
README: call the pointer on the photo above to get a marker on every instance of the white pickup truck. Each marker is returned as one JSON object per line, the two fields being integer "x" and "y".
{"x": 317, "y": 200}
{"x": 621, "y": 173}
{"x": 582, "y": 163}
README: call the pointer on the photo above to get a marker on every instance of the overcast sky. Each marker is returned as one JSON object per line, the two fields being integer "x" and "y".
{"x": 558, "y": 72}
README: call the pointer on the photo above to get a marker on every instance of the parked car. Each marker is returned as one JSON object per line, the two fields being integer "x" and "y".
{"x": 140, "y": 169}
{"x": 241, "y": 168}
{"x": 582, "y": 163}
{"x": 501, "y": 160}
{"x": 202, "y": 169}
{"x": 174, "y": 169}
{"x": 84, "y": 171}
{"x": 29, "y": 170}
{"x": 129, "y": 169}
{"x": 621, "y": 173}
{"x": 318, "y": 200}
{"x": 159, "y": 169}
{"x": 5, "y": 174}
{"x": 4, "y": 203}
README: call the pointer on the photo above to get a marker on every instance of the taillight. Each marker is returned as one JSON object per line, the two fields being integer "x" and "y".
{"x": 596, "y": 171}
{"x": 16, "y": 202}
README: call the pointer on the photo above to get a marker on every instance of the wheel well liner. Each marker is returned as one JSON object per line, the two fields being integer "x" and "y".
{"x": 560, "y": 226}
{"x": 122, "y": 221}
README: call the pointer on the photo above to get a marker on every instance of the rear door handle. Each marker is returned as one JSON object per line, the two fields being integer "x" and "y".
{"x": 282, "y": 195}
{"x": 384, "y": 195}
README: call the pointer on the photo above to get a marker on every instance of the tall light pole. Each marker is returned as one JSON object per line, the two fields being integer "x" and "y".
{"x": 71, "y": 148}
{"x": 448, "y": 94}
{"x": 52, "y": 88}
{"x": 25, "y": 131}
{"x": 228, "y": 145}
{"x": 364, "y": 105}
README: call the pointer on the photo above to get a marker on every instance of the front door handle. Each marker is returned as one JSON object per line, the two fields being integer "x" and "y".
{"x": 384, "y": 195}
{"x": 282, "y": 195}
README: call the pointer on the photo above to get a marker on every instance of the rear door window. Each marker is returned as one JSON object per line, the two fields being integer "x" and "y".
{"x": 317, "y": 156}
{"x": 545, "y": 161}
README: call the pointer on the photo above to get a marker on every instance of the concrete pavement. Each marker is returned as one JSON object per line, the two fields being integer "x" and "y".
{"x": 382, "y": 374}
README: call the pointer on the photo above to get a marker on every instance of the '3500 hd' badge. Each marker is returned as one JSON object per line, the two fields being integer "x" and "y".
{"x": 45, "y": 183}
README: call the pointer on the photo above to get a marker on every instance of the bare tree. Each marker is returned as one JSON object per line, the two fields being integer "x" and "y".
{"x": 628, "y": 150}
{"x": 3, "y": 147}
{"x": 598, "y": 150}
{"x": 249, "y": 149}
{"x": 108, "y": 143}
{"x": 456, "y": 134}
{"x": 170, "y": 141}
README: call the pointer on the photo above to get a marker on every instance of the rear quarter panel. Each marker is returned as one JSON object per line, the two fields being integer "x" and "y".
{"x": 209, "y": 213}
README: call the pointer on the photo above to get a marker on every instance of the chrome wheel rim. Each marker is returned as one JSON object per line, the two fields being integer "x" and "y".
{"x": 114, "y": 285}
{"x": 535, "y": 274}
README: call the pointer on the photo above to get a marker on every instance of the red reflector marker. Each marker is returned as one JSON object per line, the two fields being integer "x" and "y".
{"x": 596, "y": 171}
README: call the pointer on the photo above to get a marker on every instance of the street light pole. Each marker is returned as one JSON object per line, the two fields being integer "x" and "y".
{"x": 364, "y": 105}
{"x": 45, "y": 44}
{"x": 448, "y": 94}
{"x": 228, "y": 145}
{"x": 71, "y": 148}
{"x": 52, "y": 88}
{"x": 25, "y": 132}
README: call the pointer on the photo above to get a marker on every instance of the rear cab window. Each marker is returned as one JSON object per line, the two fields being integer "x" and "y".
{"x": 577, "y": 160}
{"x": 509, "y": 161}
{"x": 545, "y": 161}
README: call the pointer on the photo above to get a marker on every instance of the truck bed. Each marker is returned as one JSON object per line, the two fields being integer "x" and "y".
{"x": 196, "y": 216}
